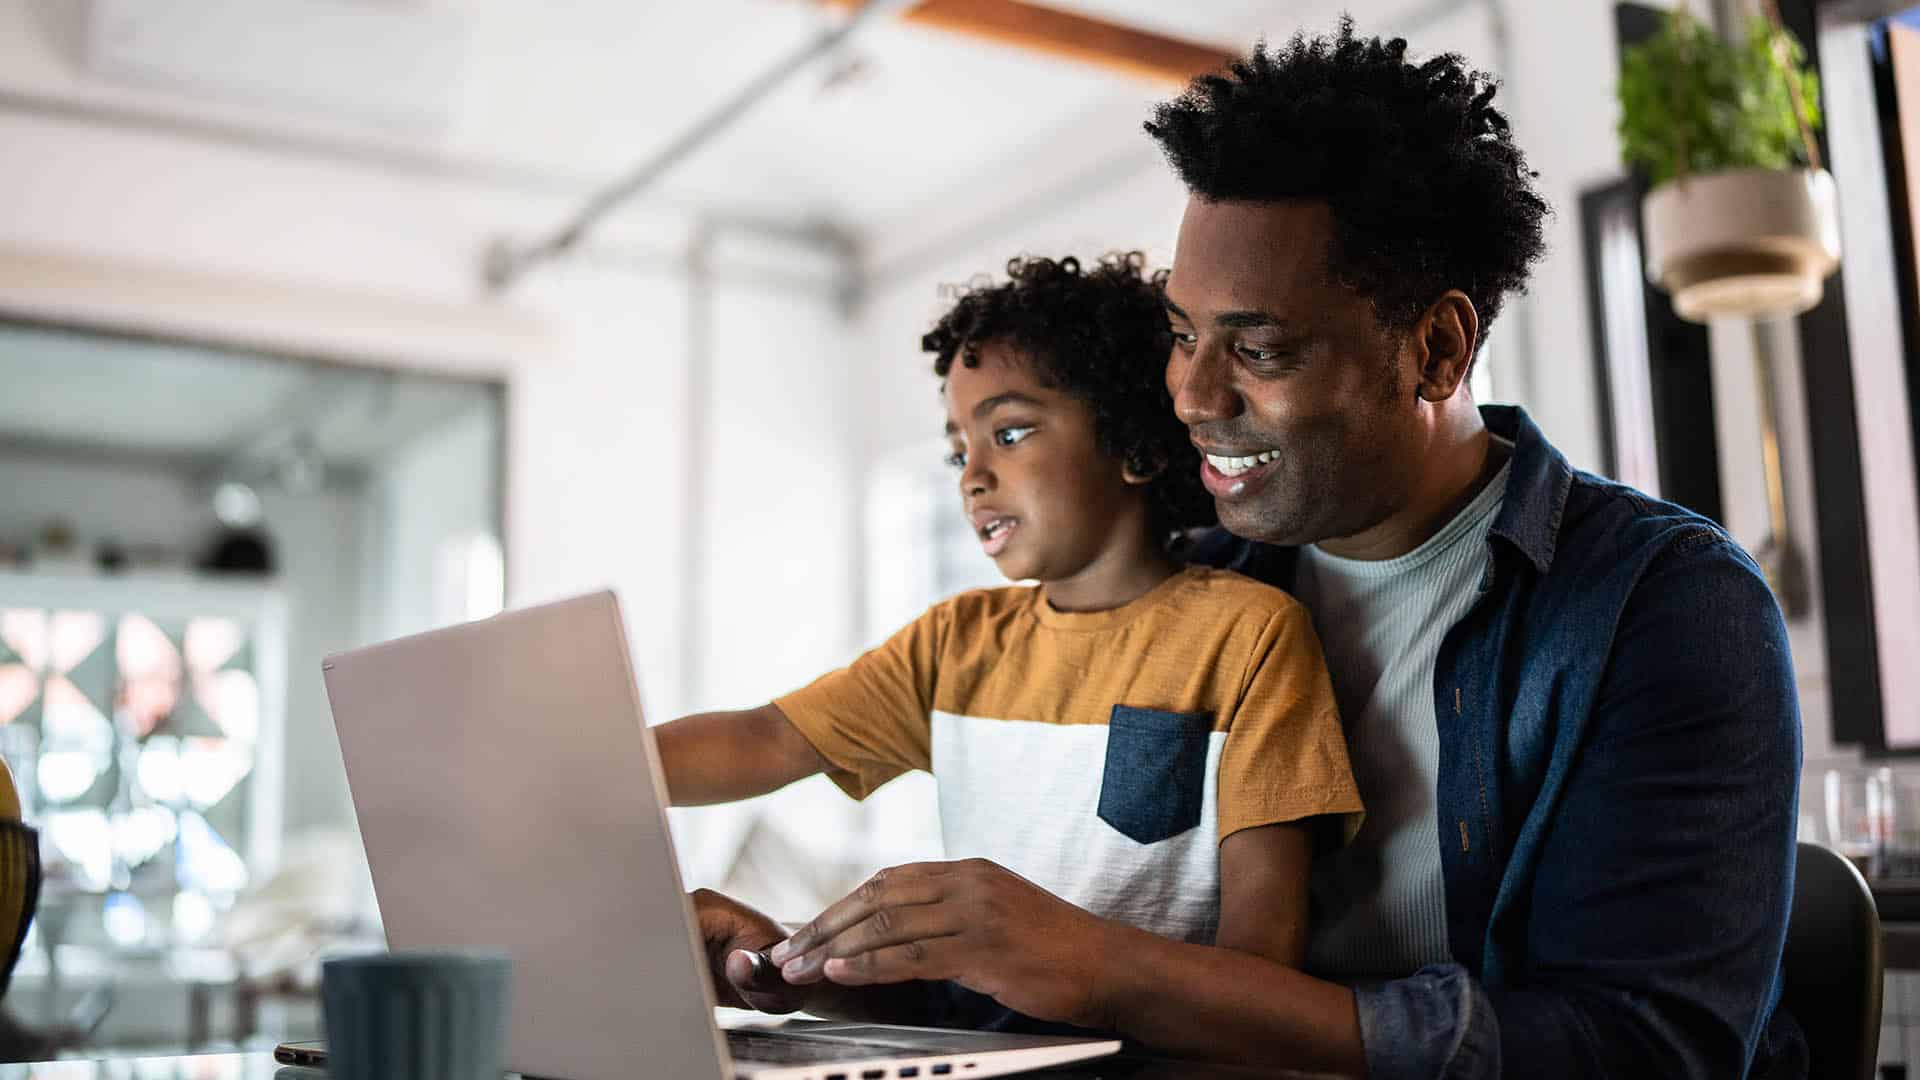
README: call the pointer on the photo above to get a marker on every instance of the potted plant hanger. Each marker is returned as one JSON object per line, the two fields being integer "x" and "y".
{"x": 1742, "y": 219}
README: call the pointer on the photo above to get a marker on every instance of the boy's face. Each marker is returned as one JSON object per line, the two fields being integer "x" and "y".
{"x": 1045, "y": 502}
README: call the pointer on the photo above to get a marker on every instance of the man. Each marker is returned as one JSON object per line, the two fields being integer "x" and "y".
{"x": 1571, "y": 708}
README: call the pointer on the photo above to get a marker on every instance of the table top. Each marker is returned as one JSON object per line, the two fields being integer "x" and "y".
{"x": 1897, "y": 898}
{"x": 263, "y": 1067}
{"x": 190, "y": 1067}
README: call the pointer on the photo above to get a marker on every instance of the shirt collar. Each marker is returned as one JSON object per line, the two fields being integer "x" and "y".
{"x": 1538, "y": 479}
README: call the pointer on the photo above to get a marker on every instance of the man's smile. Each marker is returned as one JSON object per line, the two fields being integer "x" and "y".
{"x": 1230, "y": 472}
{"x": 1231, "y": 465}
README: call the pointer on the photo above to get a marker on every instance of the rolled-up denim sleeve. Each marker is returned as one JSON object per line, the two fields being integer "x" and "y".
{"x": 1436, "y": 1023}
{"x": 1660, "y": 851}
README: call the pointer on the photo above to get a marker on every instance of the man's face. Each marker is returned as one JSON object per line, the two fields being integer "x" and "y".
{"x": 1301, "y": 399}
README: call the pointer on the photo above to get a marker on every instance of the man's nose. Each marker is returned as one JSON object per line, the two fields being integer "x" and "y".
{"x": 1202, "y": 389}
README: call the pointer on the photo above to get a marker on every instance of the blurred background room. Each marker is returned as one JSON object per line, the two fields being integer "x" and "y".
{"x": 327, "y": 321}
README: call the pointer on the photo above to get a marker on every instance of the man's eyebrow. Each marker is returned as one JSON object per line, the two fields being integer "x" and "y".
{"x": 1011, "y": 397}
{"x": 1235, "y": 320}
{"x": 1245, "y": 320}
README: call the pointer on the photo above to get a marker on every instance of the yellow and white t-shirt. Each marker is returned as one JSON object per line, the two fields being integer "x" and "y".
{"x": 1101, "y": 755}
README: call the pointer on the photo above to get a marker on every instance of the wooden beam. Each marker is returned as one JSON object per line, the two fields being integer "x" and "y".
{"x": 1068, "y": 36}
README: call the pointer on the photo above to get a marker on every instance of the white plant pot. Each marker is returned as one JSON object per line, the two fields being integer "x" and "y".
{"x": 1751, "y": 242}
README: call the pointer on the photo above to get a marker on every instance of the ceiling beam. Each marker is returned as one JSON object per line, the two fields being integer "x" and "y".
{"x": 1068, "y": 36}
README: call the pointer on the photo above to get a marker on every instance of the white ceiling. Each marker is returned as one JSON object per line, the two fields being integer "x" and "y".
{"x": 575, "y": 93}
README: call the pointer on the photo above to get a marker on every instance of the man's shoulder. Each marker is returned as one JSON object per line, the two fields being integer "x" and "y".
{"x": 1613, "y": 525}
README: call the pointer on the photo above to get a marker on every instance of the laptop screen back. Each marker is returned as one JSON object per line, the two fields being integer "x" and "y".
{"x": 504, "y": 783}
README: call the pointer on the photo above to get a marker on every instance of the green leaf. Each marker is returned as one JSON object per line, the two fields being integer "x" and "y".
{"x": 1686, "y": 92}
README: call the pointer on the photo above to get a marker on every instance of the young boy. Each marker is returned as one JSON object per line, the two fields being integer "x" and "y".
{"x": 1148, "y": 741}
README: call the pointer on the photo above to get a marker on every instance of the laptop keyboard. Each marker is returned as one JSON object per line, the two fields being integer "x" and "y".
{"x": 772, "y": 1048}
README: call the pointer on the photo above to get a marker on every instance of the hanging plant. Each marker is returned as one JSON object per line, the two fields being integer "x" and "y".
{"x": 1688, "y": 93}
{"x": 1742, "y": 219}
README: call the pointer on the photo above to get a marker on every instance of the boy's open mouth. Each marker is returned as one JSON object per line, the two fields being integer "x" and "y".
{"x": 996, "y": 533}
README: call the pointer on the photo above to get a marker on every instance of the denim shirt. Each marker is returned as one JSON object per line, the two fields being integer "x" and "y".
{"x": 1618, "y": 782}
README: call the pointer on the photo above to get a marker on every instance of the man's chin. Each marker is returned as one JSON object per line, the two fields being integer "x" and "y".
{"x": 1247, "y": 521}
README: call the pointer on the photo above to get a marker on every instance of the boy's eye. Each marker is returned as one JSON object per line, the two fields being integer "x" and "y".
{"x": 956, "y": 460}
{"x": 1007, "y": 436}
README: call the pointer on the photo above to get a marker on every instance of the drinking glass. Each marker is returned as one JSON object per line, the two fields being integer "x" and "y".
{"x": 1856, "y": 815}
{"x": 1900, "y": 805}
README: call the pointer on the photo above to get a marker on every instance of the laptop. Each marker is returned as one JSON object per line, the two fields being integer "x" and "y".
{"x": 509, "y": 795}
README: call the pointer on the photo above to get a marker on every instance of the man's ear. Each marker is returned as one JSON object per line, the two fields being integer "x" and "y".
{"x": 1444, "y": 342}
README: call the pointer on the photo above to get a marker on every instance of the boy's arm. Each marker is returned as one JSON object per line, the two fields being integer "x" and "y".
{"x": 1264, "y": 875}
{"x": 721, "y": 757}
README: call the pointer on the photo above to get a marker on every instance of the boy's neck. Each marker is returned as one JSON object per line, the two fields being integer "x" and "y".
{"x": 1117, "y": 577}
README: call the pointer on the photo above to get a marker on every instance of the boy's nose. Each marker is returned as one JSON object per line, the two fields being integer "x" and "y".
{"x": 976, "y": 479}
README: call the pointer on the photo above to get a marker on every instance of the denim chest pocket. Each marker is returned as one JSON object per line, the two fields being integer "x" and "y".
{"x": 1156, "y": 772}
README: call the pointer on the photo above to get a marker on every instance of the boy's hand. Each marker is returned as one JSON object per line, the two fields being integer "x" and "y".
{"x": 731, "y": 930}
{"x": 974, "y": 922}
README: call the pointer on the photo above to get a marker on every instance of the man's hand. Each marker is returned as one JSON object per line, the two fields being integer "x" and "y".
{"x": 731, "y": 930}
{"x": 974, "y": 922}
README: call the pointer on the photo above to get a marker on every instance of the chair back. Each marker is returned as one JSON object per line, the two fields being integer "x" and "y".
{"x": 19, "y": 892}
{"x": 1831, "y": 972}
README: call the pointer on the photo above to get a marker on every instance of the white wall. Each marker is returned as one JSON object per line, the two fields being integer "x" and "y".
{"x": 781, "y": 543}
{"x": 1559, "y": 94}
{"x": 118, "y": 501}
{"x": 438, "y": 490}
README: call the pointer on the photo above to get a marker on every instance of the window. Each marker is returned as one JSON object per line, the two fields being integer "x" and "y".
{"x": 136, "y": 736}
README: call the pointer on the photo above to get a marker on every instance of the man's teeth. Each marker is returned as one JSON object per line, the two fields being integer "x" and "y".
{"x": 1234, "y": 466}
{"x": 996, "y": 527}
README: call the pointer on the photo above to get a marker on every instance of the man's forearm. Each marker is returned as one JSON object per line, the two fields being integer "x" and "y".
{"x": 1225, "y": 1005}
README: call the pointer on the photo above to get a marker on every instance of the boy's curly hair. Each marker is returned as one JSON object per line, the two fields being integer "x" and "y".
{"x": 1100, "y": 335}
{"x": 1428, "y": 190}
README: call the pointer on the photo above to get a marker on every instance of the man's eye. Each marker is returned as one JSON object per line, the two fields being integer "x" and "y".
{"x": 1007, "y": 436}
{"x": 1258, "y": 355}
{"x": 956, "y": 460}
{"x": 1186, "y": 339}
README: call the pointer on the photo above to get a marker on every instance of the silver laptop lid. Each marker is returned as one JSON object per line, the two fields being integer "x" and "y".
{"x": 504, "y": 782}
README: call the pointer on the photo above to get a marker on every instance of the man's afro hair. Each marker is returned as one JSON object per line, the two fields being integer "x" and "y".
{"x": 1428, "y": 191}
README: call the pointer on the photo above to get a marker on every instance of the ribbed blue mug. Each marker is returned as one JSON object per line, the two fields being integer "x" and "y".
{"x": 418, "y": 1015}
